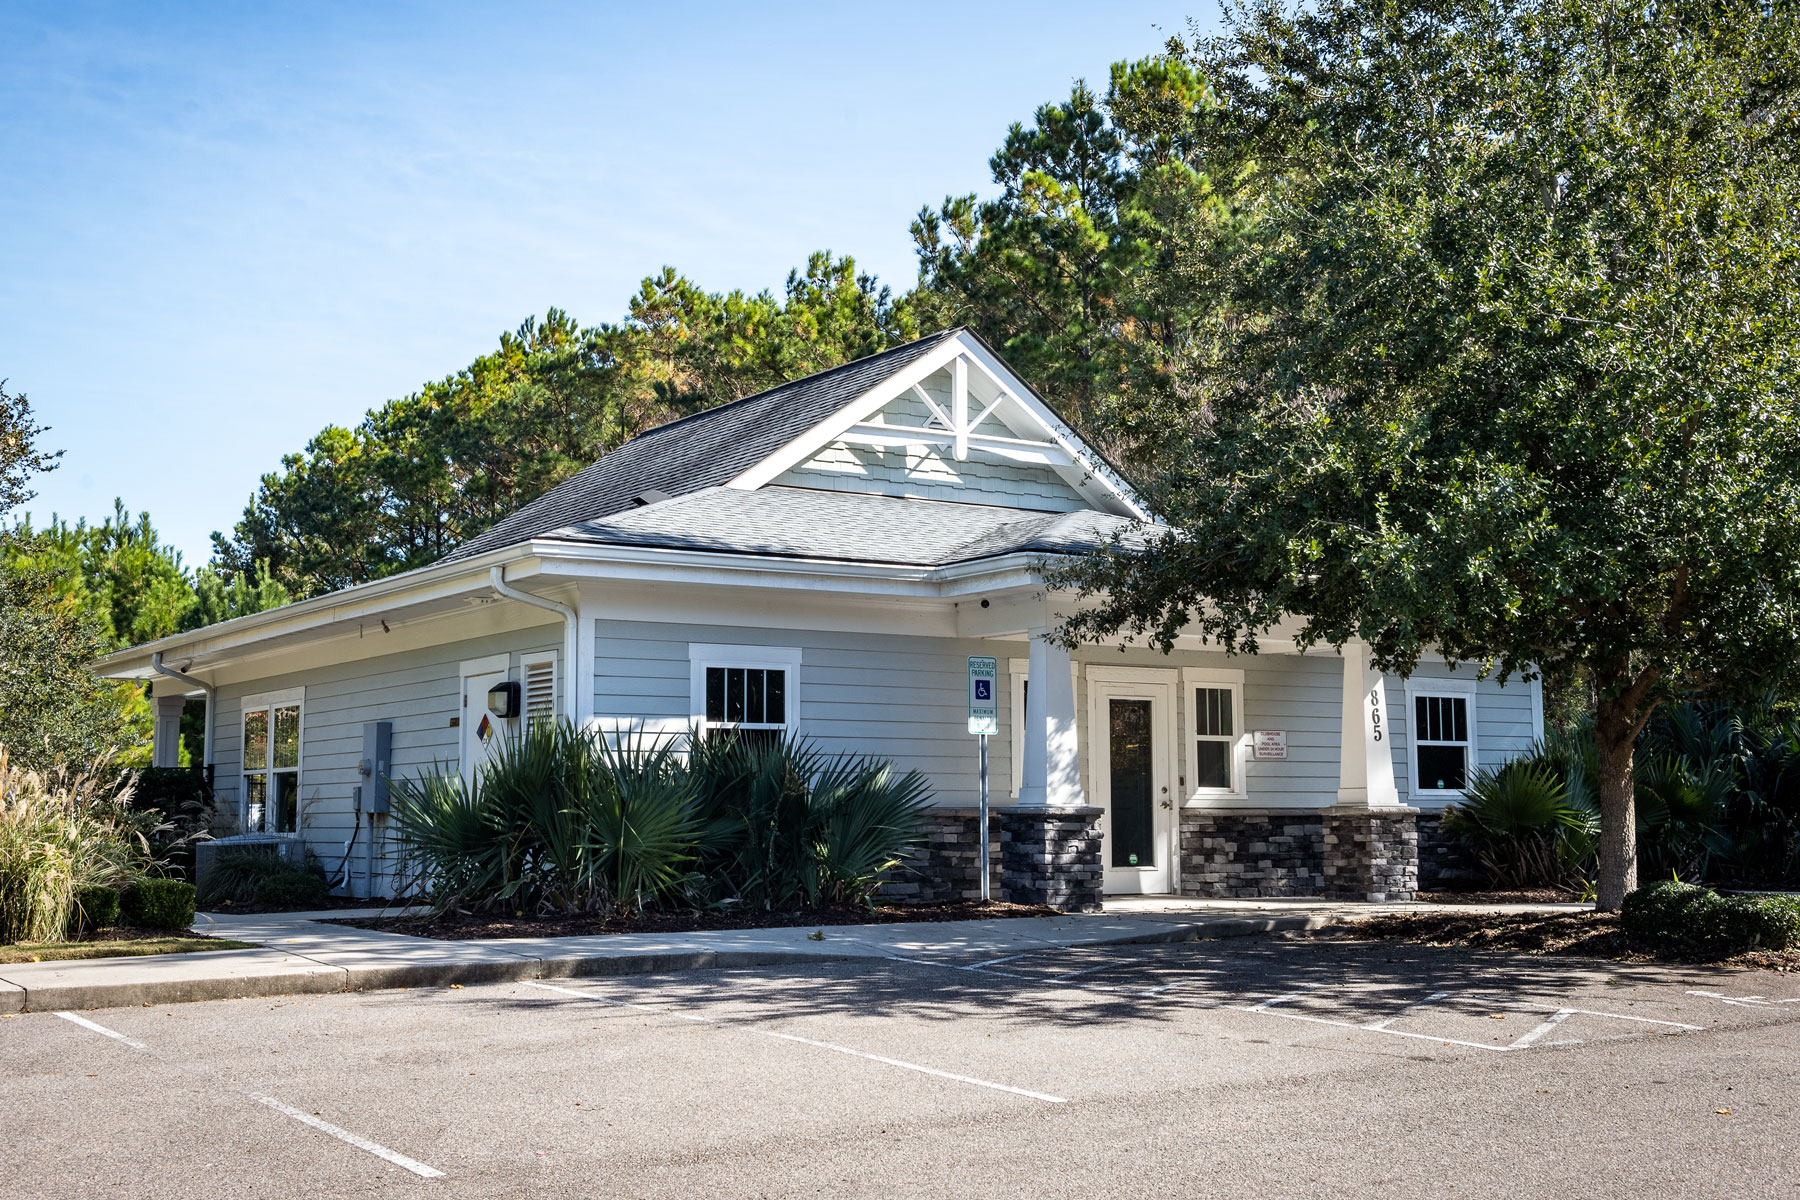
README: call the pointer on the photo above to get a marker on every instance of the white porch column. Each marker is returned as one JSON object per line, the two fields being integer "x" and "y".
{"x": 165, "y": 738}
{"x": 581, "y": 666}
{"x": 1051, "y": 771}
{"x": 1366, "y": 765}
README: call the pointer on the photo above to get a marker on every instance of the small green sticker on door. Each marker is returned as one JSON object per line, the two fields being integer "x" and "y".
{"x": 1134, "y": 860}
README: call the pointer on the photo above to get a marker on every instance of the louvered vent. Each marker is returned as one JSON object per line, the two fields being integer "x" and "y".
{"x": 540, "y": 692}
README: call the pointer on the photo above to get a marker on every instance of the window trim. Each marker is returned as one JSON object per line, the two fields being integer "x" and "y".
{"x": 1461, "y": 689}
{"x": 1225, "y": 679}
{"x": 702, "y": 655}
{"x": 268, "y": 702}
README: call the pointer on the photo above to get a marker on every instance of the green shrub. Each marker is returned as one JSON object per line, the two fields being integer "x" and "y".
{"x": 159, "y": 904}
{"x": 292, "y": 889}
{"x": 566, "y": 821}
{"x": 96, "y": 907}
{"x": 1696, "y": 922}
{"x": 1519, "y": 822}
{"x": 236, "y": 872}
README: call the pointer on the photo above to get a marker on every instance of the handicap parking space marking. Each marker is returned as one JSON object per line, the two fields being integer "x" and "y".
{"x": 287, "y": 1110}
{"x": 1743, "y": 1001}
{"x": 742, "y": 1027}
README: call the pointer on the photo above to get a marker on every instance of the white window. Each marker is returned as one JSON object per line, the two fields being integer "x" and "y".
{"x": 539, "y": 688}
{"x": 750, "y": 688}
{"x": 1441, "y": 736}
{"x": 271, "y": 763}
{"x": 1216, "y": 737}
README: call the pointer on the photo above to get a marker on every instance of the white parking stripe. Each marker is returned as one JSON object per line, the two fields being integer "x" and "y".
{"x": 1408, "y": 1011}
{"x": 344, "y": 1135}
{"x": 1743, "y": 1001}
{"x": 1551, "y": 1022}
{"x": 287, "y": 1110}
{"x": 103, "y": 1030}
{"x": 663, "y": 1010}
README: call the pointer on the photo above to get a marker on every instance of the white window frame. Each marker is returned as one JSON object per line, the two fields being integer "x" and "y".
{"x": 702, "y": 655}
{"x": 1461, "y": 689}
{"x": 268, "y": 702}
{"x": 1223, "y": 679}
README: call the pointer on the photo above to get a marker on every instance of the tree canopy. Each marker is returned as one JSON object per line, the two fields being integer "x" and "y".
{"x": 1507, "y": 362}
{"x": 422, "y": 474}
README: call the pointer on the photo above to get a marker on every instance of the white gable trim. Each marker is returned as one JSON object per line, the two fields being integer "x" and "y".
{"x": 1062, "y": 450}
{"x": 855, "y": 412}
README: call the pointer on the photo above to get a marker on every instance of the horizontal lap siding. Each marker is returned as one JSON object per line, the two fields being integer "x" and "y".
{"x": 419, "y": 691}
{"x": 896, "y": 697}
{"x": 1505, "y": 722}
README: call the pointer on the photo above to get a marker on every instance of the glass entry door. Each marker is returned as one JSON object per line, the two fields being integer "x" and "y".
{"x": 1130, "y": 745}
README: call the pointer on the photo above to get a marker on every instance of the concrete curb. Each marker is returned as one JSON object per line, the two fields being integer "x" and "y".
{"x": 247, "y": 974}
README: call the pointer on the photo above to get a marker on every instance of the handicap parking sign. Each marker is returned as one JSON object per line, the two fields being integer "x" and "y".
{"x": 984, "y": 710}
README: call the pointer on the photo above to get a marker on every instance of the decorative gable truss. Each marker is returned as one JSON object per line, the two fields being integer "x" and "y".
{"x": 981, "y": 411}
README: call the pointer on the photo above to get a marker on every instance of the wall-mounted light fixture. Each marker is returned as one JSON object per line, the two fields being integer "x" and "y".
{"x": 503, "y": 700}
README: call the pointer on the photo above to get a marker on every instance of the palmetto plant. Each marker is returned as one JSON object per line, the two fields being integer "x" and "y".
{"x": 1519, "y": 821}
{"x": 561, "y": 821}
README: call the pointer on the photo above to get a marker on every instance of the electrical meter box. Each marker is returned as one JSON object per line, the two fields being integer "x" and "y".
{"x": 377, "y": 761}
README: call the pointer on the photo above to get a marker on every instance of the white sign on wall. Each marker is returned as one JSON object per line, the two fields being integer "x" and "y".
{"x": 984, "y": 694}
{"x": 1271, "y": 743}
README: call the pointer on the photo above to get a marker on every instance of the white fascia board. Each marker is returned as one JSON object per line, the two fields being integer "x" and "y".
{"x": 1025, "y": 399}
{"x": 853, "y": 413}
{"x": 364, "y": 601}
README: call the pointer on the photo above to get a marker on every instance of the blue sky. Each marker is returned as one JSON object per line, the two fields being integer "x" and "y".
{"x": 226, "y": 226}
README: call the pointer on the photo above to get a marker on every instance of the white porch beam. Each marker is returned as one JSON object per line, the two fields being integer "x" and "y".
{"x": 1015, "y": 449}
{"x": 1366, "y": 761}
{"x": 1050, "y": 774}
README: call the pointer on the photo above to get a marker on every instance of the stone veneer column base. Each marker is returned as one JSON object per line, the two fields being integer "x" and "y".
{"x": 1371, "y": 853}
{"x": 1051, "y": 856}
{"x": 1231, "y": 853}
{"x": 943, "y": 867}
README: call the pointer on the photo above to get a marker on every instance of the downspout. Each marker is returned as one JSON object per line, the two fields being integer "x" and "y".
{"x": 212, "y": 696}
{"x": 571, "y": 622}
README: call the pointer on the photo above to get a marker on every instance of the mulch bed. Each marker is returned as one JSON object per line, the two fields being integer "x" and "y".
{"x": 1530, "y": 896}
{"x": 1577, "y": 934}
{"x": 328, "y": 903}
{"x": 468, "y": 926}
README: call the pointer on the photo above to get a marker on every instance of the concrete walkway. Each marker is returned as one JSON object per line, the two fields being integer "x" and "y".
{"x": 297, "y": 953}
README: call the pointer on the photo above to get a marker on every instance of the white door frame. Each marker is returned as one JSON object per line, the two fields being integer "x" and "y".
{"x": 1158, "y": 685}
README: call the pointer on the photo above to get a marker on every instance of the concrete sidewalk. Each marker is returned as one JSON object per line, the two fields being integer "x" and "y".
{"x": 298, "y": 953}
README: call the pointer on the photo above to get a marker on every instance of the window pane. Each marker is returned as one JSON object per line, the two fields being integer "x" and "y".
{"x": 284, "y": 806}
{"x": 1212, "y": 764}
{"x": 1212, "y": 712}
{"x": 1441, "y": 768}
{"x": 753, "y": 696}
{"x": 734, "y": 694}
{"x": 256, "y": 739}
{"x": 287, "y": 737}
{"x": 1461, "y": 709}
{"x": 715, "y": 693}
{"x": 256, "y": 794}
{"x": 775, "y": 698}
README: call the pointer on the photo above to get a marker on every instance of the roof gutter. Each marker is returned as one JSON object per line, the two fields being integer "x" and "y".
{"x": 212, "y": 697}
{"x": 571, "y": 635}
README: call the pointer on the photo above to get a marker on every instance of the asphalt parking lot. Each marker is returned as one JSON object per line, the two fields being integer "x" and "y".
{"x": 1258, "y": 1066}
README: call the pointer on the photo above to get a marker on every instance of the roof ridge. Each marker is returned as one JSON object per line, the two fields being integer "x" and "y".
{"x": 781, "y": 387}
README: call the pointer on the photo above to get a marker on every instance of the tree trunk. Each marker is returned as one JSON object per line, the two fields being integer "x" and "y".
{"x": 1616, "y": 736}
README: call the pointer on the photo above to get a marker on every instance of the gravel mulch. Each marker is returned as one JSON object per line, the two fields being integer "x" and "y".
{"x": 468, "y": 926}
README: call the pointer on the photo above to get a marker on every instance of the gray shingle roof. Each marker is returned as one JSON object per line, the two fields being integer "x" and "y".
{"x": 701, "y": 451}
{"x": 850, "y": 527}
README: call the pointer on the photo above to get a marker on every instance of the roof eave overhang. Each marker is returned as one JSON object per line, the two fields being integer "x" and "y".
{"x": 547, "y": 559}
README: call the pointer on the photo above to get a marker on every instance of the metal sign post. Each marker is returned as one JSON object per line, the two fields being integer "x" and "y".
{"x": 984, "y": 719}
